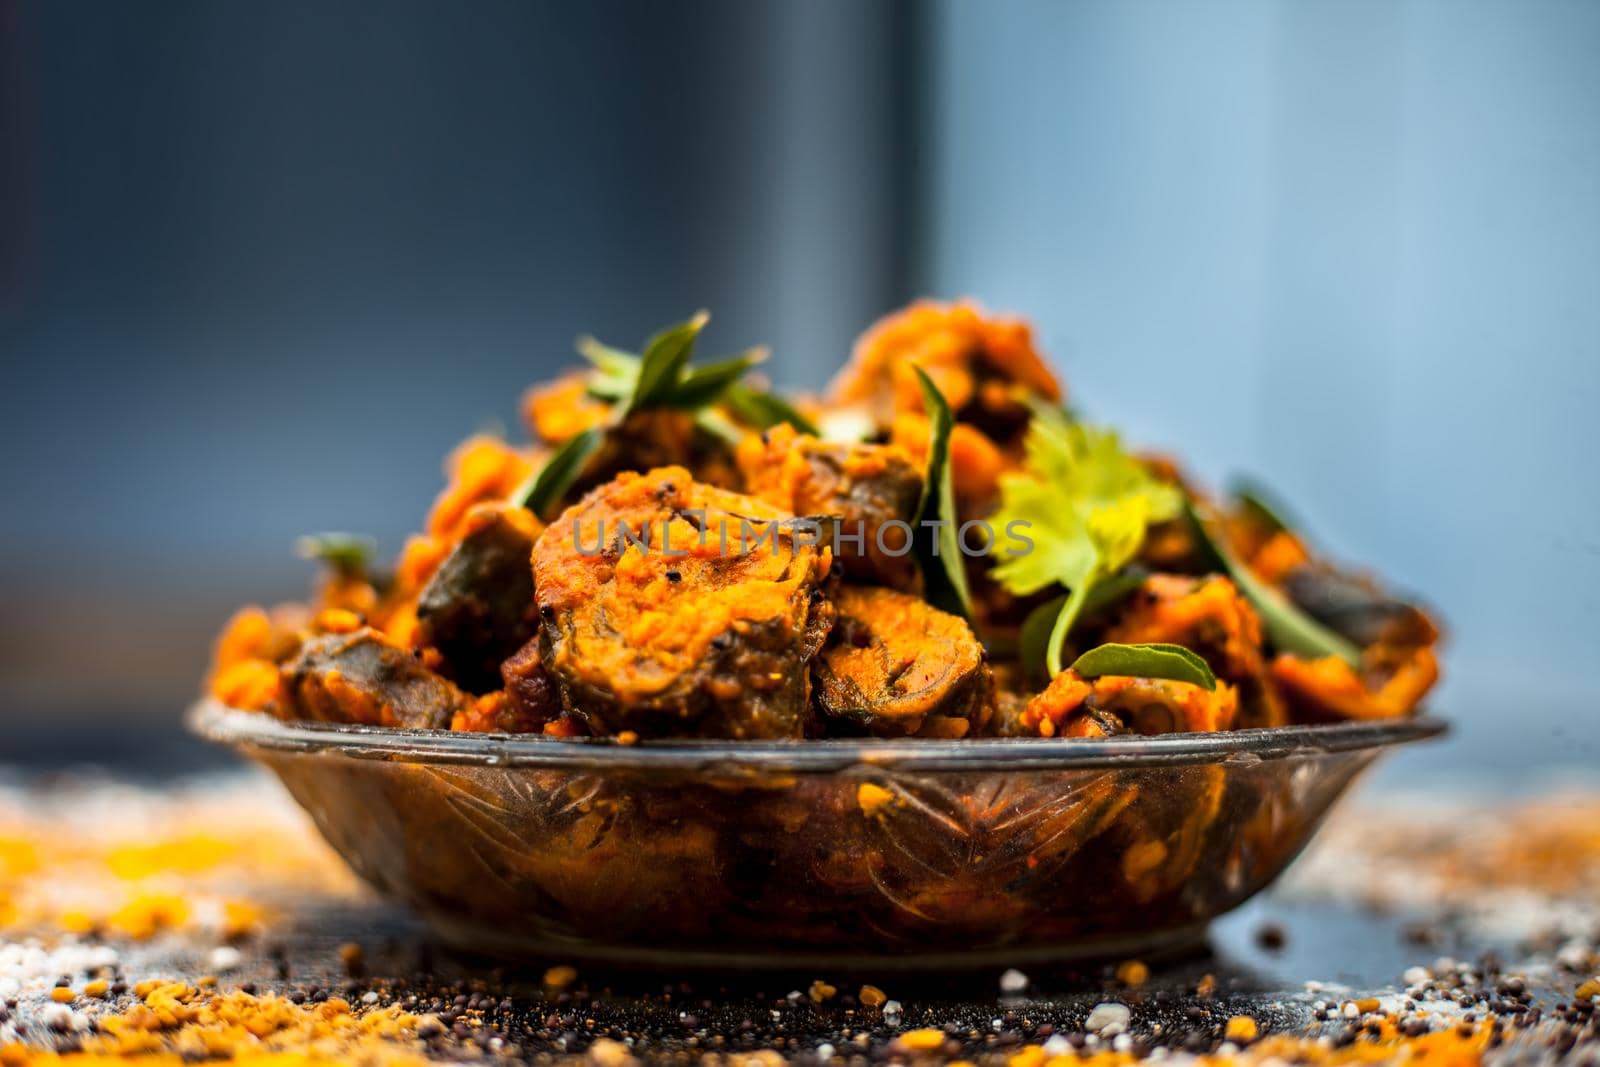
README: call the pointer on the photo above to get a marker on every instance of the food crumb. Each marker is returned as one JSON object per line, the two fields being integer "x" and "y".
{"x": 1133, "y": 973}
{"x": 1013, "y": 981}
{"x": 926, "y": 1039}
{"x": 821, "y": 991}
{"x": 560, "y": 976}
{"x": 353, "y": 958}
{"x": 224, "y": 958}
{"x": 871, "y": 996}
{"x": 871, "y": 798}
{"x": 1241, "y": 1030}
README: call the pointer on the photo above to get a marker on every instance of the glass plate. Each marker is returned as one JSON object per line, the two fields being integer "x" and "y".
{"x": 814, "y": 853}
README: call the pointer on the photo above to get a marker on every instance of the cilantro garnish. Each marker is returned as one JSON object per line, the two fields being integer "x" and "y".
{"x": 1087, "y": 504}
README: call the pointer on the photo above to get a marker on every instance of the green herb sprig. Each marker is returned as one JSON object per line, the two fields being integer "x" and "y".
{"x": 1287, "y": 627}
{"x": 944, "y": 572}
{"x": 1087, "y": 505}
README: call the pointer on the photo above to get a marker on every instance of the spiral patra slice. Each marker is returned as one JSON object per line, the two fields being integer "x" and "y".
{"x": 669, "y": 607}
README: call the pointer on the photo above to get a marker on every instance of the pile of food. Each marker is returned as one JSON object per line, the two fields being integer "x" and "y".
{"x": 939, "y": 548}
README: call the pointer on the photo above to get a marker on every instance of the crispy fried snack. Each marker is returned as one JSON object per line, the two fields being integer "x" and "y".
{"x": 359, "y": 677}
{"x": 478, "y": 607}
{"x": 895, "y": 665}
{"x": 1073, "y": 706}
{"x": 673, "y": 608}
{"x": 975, "y": 360}
{"x": 862, "y": 486}
{"x": 1208, "y": 616}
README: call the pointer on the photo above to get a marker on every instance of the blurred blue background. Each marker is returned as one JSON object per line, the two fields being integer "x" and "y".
{"x": 261, "y": 265}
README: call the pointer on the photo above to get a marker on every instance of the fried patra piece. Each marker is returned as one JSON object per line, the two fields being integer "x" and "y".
{"x": 1391, "y": 682}
{"x": 670, "y": 607}
{"x": 1073, "y": 706}
{"x": 359, "y": 677}
{"x": 1356, "y": 607}
{"x": 560, "y": 410}
{"x": 987, "y": 368}
{"x": 975, "y": 360}
{"x": 654, "y": 437}
{"x": 244, "y": 671}
{"x": 896, "y": 665}
{"x": 1353, "y": 605}
{"x": 862, "y": 486}
{"x": 1209, "y": 616}
{"x": 478, "y": 606}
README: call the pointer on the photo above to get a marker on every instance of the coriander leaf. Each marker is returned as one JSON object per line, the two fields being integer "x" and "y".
{"x": 1172, "y": 662}
{"x": 559, "y": 473}
{"x": 943, "y": 569}
{"x": 1033, "y": 641}
{"x": 765, "y": 410}
{"x": 662, "y": 365}
{"x": 1086, "y": 504}
{"x": 1287, "y": 627}
{"x": 348, "y": 554}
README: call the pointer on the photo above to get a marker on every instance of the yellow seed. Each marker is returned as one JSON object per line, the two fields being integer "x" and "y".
{"x": 1133, "y": 973}
{"x": 1588, "y": 989}
{"x": 97, "y": 988}
{"x": 62, "y": 995}
{"x": 925, "y": 1040}
{"x": 872, "y": 996}
{"x": 1240, "y": 1029}
{"x": 1032, "y": 1056}
{"x": 560, "y": 977}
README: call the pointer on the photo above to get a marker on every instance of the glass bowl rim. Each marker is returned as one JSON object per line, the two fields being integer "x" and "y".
{"x": 253, "y": 731}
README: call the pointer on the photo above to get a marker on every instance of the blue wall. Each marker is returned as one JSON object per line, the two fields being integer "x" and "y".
{"x": 1350, "y": 248}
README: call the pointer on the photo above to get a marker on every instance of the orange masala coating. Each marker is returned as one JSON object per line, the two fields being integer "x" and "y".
{"x": 1073, "y": 706}
{"x": 669, "y": 606}
{"x": 895, "y": 664}
{"x": 971, "y": 357}
{"x": 1208, "y": 616}
{"x": 861, "y": 485}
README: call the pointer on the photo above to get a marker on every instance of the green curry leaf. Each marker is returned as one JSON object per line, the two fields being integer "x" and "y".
{"x": 704, "y": 386}
{"x": 560, "y": 472}
{"x": 944, "y": 571}
{"x": 662, "y": 365}
{"x": 1287, "y": 628}
{"x": 1172, "y": 662}
{"x": 764, "y": 410}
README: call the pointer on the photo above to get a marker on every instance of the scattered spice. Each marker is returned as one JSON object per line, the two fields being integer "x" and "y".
{"x": 1133, "y": 973}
